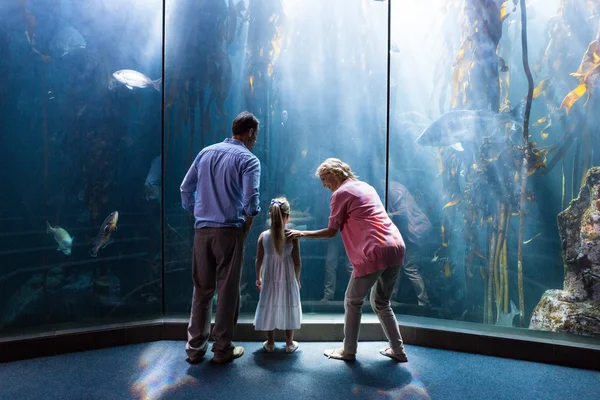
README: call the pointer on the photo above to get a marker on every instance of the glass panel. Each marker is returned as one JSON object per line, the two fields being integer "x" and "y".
{"x": 314, "y": 73}
{"x": 76, "y": 146}
{"x": 456, "y": 150}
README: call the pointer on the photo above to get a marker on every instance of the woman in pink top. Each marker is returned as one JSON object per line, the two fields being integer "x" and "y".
{"x": 375, "y": 249}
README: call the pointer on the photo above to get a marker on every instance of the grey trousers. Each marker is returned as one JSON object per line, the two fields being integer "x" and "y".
{"x": 381, "y": 284}
{"x": 216, "y": 264}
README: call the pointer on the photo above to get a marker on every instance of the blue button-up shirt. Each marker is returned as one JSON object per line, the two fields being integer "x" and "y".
{"x": 225, "y": 178}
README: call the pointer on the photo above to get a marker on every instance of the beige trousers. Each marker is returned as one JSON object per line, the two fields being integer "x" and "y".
{"x": 381, "y": 284}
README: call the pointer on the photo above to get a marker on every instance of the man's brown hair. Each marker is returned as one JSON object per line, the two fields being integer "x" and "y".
{"x": 243, "y": 123}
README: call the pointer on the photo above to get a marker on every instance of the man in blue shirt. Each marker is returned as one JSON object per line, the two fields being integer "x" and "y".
{"x": 225, "y": 178}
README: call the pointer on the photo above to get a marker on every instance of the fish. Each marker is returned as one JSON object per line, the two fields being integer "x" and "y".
{"x": 112, "y": 83}
{"x": 62, "y": 237}
{"x": 456, "y": 127}
{"x": 67, "y": 40}
{"x": 502, "y": 67}
{"x": 153, "y": 180}
{"x": 22, "y": 300}
{"x": 300, "y": 216}
{"x": 447, "y": 270}
{"x": 298, "y": 219}
{"x": 507, "y": 319}
{"x": 109, "y": 225}
{"x": 131, "y": 79}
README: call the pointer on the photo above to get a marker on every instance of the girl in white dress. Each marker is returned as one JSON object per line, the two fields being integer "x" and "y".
{"x": 278, "y": 269}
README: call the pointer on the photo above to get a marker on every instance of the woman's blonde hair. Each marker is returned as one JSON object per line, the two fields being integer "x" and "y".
{"x": 336, "y": 167}
{"x": 278, "y": 210}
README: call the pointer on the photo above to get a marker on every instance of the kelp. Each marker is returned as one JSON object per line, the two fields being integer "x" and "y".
{"x": 586, "y": 74}
{"x": 490, "y": 187}
{"x": 268, "y": 36}
{"x": 474, "y": 85}
{"x": 574, "y": 24}
{"x": 525, "y": 165}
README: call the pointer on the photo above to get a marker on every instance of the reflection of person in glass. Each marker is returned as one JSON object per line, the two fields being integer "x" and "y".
{"x": 411, "y": 220}
{"x": 332, "y": 260}
{"x": 375, "y": 249}
{"x": 225, "y": 178}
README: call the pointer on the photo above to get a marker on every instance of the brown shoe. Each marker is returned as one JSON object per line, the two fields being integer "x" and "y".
{"x": 238, "y": 351}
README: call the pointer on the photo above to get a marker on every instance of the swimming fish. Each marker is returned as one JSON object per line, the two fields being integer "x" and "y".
{"x": 507, "y": 319}
{"x": 300, "y": 216}
{"x": 131, "y": 79}
{"x": 66, "y": 40}
{"x": 62, "y": 237}
{"x": 109, "y": 225}
{"x": 457, "y": 126}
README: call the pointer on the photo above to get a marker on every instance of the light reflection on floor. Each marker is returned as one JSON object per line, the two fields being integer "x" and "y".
{"x": 158, "y": 373}
{"x": 414, "y": 390}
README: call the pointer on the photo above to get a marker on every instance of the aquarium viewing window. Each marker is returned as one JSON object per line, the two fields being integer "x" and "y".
{"x": 488, "y": 162}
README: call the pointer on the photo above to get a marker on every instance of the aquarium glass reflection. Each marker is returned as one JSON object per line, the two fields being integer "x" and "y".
{"x": 92, "y": 233}
{"x": 492, "y": 239}
{"x": 81, "y": 125}
{"x": 316, "y": 82}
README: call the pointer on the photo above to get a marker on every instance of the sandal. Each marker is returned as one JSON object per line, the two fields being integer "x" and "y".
{"x": 269, "y": 348}
{"x": 291, "y": 347}
{"x": 338, "y": 354}
{"x": 389, "y": 353}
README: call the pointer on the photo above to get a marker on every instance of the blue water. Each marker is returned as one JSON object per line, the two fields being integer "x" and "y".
{"x": 76, "y": 144}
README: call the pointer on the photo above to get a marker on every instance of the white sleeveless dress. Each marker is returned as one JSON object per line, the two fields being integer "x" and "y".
{"x": 279, "y": 303}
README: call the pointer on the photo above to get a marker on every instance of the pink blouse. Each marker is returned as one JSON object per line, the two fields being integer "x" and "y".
{"x": 371, "y": 240}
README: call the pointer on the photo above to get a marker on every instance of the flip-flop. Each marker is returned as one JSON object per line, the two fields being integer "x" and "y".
{"x": 393, "y": 356}
{"x": 291, "y": 348}
{"x": 338, "y": 354}
{"x": 269, "y": 348}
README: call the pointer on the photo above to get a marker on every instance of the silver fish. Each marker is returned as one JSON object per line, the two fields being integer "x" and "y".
{"x": 458, "y": 126}
{"x": 62, "y": 237}
{"x": 507, "y": 319}
{"x": 109, "y": 225}
{"x": 66, "y": 40}
{"x": 131, "y": 79}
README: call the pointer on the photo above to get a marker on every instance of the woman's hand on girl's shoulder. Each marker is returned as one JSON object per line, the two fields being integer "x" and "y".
{"x": 293, "y": 234}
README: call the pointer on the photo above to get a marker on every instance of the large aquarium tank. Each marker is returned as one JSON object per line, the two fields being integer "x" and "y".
{"x": 477, "y": 130}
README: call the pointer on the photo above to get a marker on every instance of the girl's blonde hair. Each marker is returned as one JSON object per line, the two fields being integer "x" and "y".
{"x": 336, "y": 167}
{"x": 278, "y": 210}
